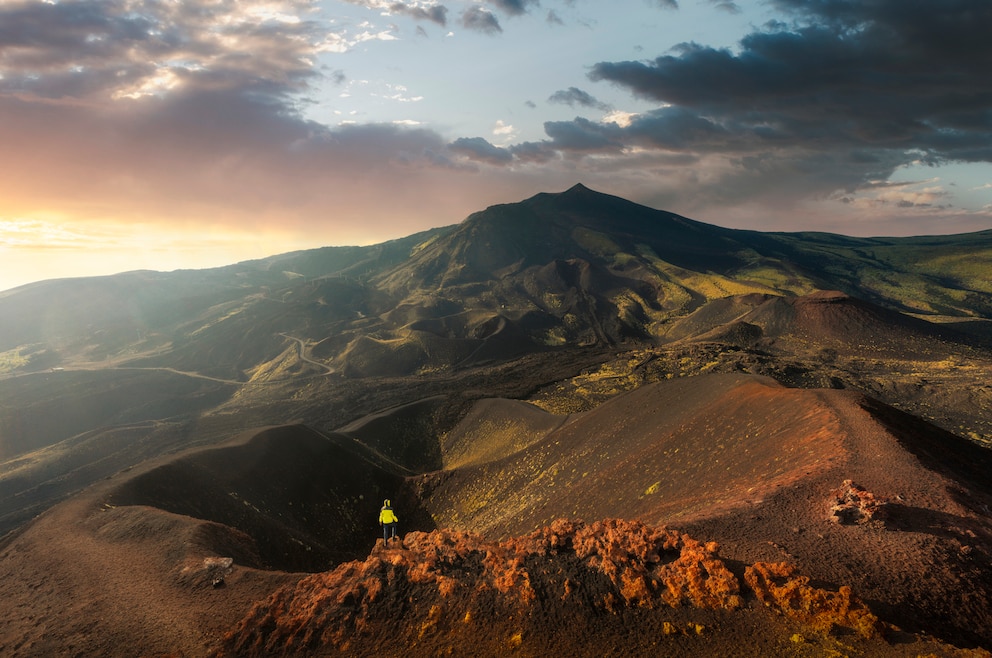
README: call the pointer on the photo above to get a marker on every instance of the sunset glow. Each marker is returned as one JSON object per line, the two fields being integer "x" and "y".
{"x": 194, "y": 134}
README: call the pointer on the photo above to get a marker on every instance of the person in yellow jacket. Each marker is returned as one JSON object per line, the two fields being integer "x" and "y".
{"x": 388, "y": 521}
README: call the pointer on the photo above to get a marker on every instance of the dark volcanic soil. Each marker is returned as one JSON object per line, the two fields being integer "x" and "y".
{"x": 745, "y": 512}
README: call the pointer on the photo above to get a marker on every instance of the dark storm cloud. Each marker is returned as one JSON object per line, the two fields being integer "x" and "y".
{"x": 671, "y": 129}
{"x": 821, "y": 104}
{"x": 435, "y": 14}
{"x": 574, "y": 96}
{"x": 876, "y": 74}
{"x": 666, "y": 4}
{"x": 481, "y": 20}
{"x": 534, "y": 152}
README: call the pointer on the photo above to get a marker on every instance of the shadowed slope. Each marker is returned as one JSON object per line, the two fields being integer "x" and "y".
{"x": 305, "y": 499}
{"x": 404, "y": 435}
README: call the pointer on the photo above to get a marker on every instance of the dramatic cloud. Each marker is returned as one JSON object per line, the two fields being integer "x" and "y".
{"x": 180, "y": 112}
{"x": 862, "y": 75}
{"x": 103, "y": 50}
{"x": 583, "y": 135}
{"x": 295, "y": 115}
{"x": 574, "y": 96}
{"x": 877, "y": 84}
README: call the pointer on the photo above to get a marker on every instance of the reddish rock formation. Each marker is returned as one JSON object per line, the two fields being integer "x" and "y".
{"x": 852, "y": 503}
{"x": 779, "y": 586}
{"x": 446, "y": 587}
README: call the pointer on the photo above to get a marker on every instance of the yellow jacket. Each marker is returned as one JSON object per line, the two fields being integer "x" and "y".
{"x": 386, "y": 514}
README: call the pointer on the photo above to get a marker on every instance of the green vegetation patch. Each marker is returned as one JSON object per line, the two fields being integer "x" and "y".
{"x": 973, "y": 268}
{"x": 595, "y": 242}
{"x": 27, "y": 358}
{"x": 12, "y": 360}
{"x": 774, "y": 275}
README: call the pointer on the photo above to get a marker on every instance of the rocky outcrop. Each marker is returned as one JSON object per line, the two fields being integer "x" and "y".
{"x": 780, "y": 586}
{"x": 457, "y": 585}
{"x": 852, "y": 503}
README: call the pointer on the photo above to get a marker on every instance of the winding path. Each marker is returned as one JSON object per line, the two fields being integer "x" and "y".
{"x": 302, "y": 351}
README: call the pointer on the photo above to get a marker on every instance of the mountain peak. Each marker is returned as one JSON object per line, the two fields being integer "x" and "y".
{"x": 580, "y": 192}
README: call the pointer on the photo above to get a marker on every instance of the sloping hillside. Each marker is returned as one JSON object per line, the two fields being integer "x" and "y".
{"x": 574, "y": 268}
{"x": 756, "y": 465}
{"x": 732, "y": 493}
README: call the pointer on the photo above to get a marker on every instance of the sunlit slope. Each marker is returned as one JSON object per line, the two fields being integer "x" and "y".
{"x": 669, "y": 452}
{"x": 494, "y": 429}
{"x": 760, "y": 468}
{"x": 931, "y": 275}
{"x": 156, "y": 315}
{"x": 662, "y": 453}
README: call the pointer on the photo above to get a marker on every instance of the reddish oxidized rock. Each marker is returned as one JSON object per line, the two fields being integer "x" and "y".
{"x": 778, "y": 585}
{"x": 852, "y": 503}
{"x": 440, "y": 588}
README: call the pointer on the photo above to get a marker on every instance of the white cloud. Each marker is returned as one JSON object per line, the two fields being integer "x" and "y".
{"x": 620, "y": 118}
{"x": 504, "y": 132}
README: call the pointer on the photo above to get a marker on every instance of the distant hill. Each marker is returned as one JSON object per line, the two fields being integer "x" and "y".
{"x": 574, "y": 268}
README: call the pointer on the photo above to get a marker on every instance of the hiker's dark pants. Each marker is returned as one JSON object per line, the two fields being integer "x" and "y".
{"x": 388, "y": 530}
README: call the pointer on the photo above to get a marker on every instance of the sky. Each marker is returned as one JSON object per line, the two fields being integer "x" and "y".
{"x": 197, "y": 133}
